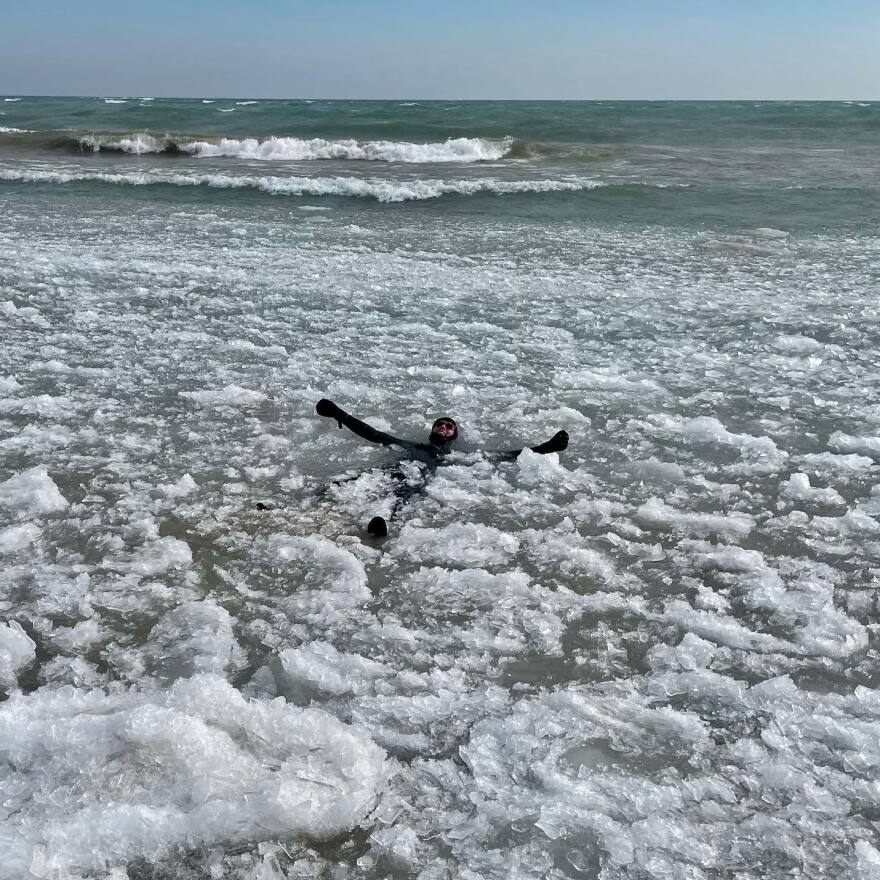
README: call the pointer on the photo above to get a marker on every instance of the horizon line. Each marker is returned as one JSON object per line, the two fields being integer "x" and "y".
{"x": 462, "y": 100}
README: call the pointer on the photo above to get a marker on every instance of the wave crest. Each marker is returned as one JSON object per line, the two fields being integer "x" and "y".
{"x": 304, "y": 149}
{"x": 352, "y": 187}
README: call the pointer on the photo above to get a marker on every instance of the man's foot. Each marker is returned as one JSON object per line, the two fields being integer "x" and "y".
{"x": 377, "y": 527}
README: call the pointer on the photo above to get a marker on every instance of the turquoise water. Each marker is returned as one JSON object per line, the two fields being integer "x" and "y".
{"x": 654, "y": 655}
{"x": 807, "y": 166}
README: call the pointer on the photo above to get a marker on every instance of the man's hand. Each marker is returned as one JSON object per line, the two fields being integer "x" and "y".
{"x": 327, "y": 408}
{"x": 556, "y": 443}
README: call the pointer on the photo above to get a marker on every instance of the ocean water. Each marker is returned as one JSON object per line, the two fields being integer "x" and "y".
{"x": 654, "y": 655}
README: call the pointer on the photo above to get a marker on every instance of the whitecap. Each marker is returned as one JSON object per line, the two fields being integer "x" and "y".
{"x": 383, "y": 190}
{"x": 296, "y": 149}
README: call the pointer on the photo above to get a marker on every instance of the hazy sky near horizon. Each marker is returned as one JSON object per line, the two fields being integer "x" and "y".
{"x": 592, "y": 49}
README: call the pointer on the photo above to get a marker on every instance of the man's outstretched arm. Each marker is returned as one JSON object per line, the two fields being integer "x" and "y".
{"x": 556, "y": 443}
{"x": 330, "y": 410}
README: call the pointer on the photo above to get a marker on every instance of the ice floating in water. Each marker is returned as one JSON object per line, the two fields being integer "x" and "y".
{"x": 196, "y": 637}
{"x": 798, "y": 488}
{"x": 580, "y": 661}
{"x": 462, "y": 544}
{"x": 231, "y": 395}
{"x": 202, "y": 766}
{"x": 17, "y": 650}
{"x": 659, "y": 515}
{"x": 847, "y": 443}
{"x": 30, "y": 493}
{"x": 16, "y": 538}
{"x": 798, "y": 345}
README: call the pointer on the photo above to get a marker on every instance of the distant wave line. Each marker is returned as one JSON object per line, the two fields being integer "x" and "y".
{"x": 302, "y": 149}
{"x": 352, "y": 187}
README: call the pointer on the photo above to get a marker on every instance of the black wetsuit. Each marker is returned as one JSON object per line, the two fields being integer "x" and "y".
{"x": 429, "y": 454}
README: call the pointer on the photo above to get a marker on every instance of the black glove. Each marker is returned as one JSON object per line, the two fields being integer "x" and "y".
{"x": 329, "y": 409}
{"x": 556, "y": 443}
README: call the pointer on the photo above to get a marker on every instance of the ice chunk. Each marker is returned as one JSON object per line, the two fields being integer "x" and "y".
{"x": 654, "y": 513}
{"x": 867, "y": 861}
{"x": 319, "y": 668}
{"x": 734, "y": 559}
{"x": 9, "y": 385}
{"x": 16, "y": 538}
{"x": 398, "y": 845}
{"x": 186, "y": 485}
{"x": 462, "y": 544}
{"x": 535, "y": 469}
{"x": 160, "y": 556}
{"x": 654, "y": 471}
{"x": 847, "y": 443}
{"x": 17, "y": 650}
{"x": 195, "y": 637}
{"x": 799, "y": 346}
{"x": 231, "y": 395}
{"x": 203, "y": 767}
{"x": 710, "y": 430}
{"x": 30, "y": 493}
{"x": 798, "y": 488}
{"x": 333, "y": 581}
{"x": 78, "y": 637}
{"x": 827, "y": 464}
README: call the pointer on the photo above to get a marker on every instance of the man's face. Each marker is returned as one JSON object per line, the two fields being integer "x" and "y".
{"x": 444, "y": 428}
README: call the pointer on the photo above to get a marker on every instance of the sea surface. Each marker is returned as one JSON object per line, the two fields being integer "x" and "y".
{"x": 654, "y": 655}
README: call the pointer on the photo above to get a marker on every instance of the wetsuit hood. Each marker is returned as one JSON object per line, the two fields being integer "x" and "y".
{"x": 440, "y": 438}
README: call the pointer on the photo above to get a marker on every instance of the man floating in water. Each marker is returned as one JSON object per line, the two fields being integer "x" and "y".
{"x": 444, "y": 433}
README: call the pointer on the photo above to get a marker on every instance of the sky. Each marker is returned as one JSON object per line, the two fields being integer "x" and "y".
{"x": 482, "y": 49}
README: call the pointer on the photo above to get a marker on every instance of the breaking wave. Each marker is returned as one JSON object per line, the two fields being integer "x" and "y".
{"x": 352, "y": 187}
{"x": 302, "y": 149}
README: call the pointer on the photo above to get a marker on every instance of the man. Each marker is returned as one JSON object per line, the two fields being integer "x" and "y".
{"x": 444, "y": 432}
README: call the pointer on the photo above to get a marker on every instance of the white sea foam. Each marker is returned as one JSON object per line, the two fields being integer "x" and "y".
{"x": 355, "y": 187}
{"x": 136, "y": 144}
{"x": 297, "y": 149}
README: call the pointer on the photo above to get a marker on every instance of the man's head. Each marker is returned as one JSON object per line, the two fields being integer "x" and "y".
{"x": 443, "y": 431}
